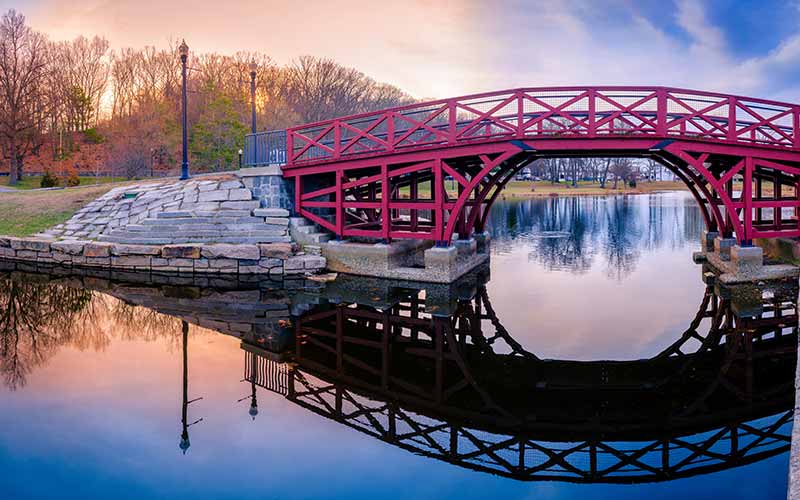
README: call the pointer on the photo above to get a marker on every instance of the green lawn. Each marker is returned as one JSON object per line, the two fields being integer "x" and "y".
{"x": 26, "y": 212}
{"x": 35, "y": 181}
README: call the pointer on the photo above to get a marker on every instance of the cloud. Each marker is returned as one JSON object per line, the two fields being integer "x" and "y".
{"x": 692, "y": 17}
{"x": 570, "y": 43}
{"x": 451, "y": 47}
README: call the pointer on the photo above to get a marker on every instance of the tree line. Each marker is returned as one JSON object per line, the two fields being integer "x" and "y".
{"x": 603, "y": 171}
{"x": 129, "y": 99}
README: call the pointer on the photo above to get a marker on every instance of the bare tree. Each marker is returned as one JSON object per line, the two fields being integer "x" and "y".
{"x": 604, "y": 172}
{"x": 621, "y": 168}
{"x": 653, "y": 169}
{"x": 319, "y": 89}
{"x": 82, "y": 76}
{"x": 23, "y": 64}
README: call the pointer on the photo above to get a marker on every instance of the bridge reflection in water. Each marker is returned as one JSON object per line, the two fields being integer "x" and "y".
{"x": 431, "y": 369}
{"x": 458, "y": 388}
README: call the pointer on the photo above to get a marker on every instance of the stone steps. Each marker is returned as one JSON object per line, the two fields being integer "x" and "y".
{"x": 306, "y": 229}
{"x": 141, "y": 228}
{"x": 190, "y": 232}
{"x": 242, "y": 240}
{"x": 305, "y": 232}
{"x": 203, "y": 226}
{"x": 186, "y": 214}
{"x": 223, "y": 221}
{"x": 221, "y": 214}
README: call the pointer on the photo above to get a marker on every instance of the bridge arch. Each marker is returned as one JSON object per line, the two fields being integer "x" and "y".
{"x": 385, "y": 174}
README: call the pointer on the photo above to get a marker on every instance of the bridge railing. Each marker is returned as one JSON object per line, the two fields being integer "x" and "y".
{"x": 265, "y": 148}
{"x": 563, "y": 112}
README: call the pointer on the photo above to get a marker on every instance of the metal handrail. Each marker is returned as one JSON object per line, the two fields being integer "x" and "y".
{"x": 586, "y": 112}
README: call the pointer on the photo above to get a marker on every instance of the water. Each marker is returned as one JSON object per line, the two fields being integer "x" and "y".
{"x": 590, "y": 351}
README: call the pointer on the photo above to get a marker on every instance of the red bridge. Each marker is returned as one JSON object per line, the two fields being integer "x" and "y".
{"x": 382, "y": 174}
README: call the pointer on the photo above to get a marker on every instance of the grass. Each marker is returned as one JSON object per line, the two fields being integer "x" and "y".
{"x": 35, "y": 181}
{"x": 26, "y": 213}
{"x": 527, "y": 189}
{"x": 544, "y": 188}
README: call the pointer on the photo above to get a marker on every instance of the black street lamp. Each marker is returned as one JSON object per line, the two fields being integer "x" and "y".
{"x": 184, "y": 51}
{"x": 253, "y": 68}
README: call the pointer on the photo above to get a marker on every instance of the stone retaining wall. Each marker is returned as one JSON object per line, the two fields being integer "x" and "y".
{"x": 265, "y": 258}
{"x": 268, "y": 186}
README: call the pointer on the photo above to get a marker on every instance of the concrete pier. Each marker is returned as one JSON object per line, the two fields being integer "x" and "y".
{"x": 413, "y": 260}
{"x": 735, "y": 264}
{"x": 722, "y": 246}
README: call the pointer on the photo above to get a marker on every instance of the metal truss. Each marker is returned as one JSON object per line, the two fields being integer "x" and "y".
{"x": 432, "y": 170}
{"x": 461, "y": 390}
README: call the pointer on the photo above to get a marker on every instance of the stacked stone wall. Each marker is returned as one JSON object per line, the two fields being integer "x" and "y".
{"x": 272, "y": 259}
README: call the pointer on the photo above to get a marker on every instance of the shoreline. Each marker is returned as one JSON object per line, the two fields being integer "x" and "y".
{"x": 580, "y": 193}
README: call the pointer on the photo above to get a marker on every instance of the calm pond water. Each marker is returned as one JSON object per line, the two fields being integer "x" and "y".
{"x": 589, "y": 361}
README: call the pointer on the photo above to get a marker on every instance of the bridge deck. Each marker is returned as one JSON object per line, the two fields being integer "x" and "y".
{"x": 364, "y": 175}
{"x": 589, "y": 112}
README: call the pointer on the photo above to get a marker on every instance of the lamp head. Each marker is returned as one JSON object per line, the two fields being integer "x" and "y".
{"x": 183, "y": 49}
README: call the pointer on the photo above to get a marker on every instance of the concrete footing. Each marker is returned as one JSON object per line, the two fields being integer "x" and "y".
{"x": 722, "y": 246}
{"x": 441, "y": 299}
{"x": 740, "y": 264}
{"x": 408, "y": 259}
{"x": 707, "y": 240}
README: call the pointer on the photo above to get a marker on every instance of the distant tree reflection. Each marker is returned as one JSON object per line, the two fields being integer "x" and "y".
{"x": 36, "y": 319}
{"x": 621, "y": 245}
{"x": 140, "y": 323}
{"x": 569, "y": 233}
{"x": 566, "y": 236}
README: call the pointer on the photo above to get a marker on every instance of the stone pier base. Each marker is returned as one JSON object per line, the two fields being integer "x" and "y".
{"x": 722, "y": 247}
{"x": 740, "y": 264}
{"x": 412, "y": 260}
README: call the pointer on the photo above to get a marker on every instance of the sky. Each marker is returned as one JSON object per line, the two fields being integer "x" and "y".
{"x": 443, "y": 48}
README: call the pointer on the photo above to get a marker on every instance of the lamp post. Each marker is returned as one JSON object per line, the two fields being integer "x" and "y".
{"x": 253, "y": 139}
{"x": 184, "y": 52}
{"x": 253, "y": 68}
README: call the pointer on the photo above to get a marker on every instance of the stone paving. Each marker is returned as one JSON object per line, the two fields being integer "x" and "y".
{"x": 206, "y": 225}
{"x": 203, "y": 210}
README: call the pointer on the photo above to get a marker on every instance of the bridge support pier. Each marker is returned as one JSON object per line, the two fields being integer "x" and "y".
{"x": 482, "y": 241}
{"x": 747, "y": 260}
{"x": 735, "y": 264}
{"x": 707, "y": 240}
{"x": 412, "y": 260}
{"x": 722, "y": 246}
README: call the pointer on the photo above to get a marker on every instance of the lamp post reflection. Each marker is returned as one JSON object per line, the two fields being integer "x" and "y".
{"x": 253, "y": 411}
{"x": 184, "y": 444}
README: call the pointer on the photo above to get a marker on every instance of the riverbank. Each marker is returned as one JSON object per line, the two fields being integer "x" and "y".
{"x": 524, "y": 189}
{"x": 35, "y": 182}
